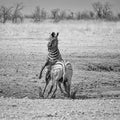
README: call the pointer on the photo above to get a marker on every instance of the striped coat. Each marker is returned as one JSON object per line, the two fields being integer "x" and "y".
{"x": 53, "y": 51}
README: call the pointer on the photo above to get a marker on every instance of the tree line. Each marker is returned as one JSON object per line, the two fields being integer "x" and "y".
{"x": 14, "y": 14}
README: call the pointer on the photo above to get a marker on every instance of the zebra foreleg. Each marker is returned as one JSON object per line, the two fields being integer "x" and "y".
{"x": 47, "y": 79}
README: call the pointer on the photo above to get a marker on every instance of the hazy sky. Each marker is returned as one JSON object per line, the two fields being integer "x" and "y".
{"x": 63, "y": 4}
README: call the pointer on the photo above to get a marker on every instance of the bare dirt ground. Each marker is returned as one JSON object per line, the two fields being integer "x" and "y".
{"x": 93, "y": 48}
{"x": 58, "y": 109}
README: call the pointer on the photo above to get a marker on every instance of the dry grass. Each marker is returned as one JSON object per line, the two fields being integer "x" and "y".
{"x": 92, "y": 47}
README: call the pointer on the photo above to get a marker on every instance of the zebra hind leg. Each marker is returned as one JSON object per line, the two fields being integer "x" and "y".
{"x": 60, "y": 87}
{"x": 53, "y": 95}
{"x": 67, "y": 87}
{"x": 53, "y": 89}
{"x": 50, "y": 91}
{"x": 61, "y": 90}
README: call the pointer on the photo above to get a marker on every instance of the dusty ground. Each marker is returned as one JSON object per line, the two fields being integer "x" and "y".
{"x": 49, "y": 109}
{"x": 92, "y": 47}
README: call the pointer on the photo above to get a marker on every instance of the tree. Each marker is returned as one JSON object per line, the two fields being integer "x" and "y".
{"x": 102, "y": 10}
{"x": 85, "y": 15}
{"x": 98, "y": 8}
{"x": 62, "y": 15}
{"x": 17, "y": 15}
{"x": 55, "y": 13}
{"x": 71, "y": 15}
{"x": 36, "y": 14}
{"x": 5, "y": 13}
{"x": 107, "y": 12}
{"x": 39, "y": 14}
{"x": 78, "y": 15}
{"x": 0, "y": 15}
{"x": 91, "y": 14}
{"x": 43, "y": 14}
{"x": 118, "y": 15}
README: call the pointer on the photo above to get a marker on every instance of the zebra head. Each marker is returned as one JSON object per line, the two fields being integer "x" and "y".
{"x": 53, "y": 39}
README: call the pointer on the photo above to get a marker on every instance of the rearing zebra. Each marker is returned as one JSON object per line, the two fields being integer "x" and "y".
{"x": 53, "y": 52}
{"x": 58, "y": 71}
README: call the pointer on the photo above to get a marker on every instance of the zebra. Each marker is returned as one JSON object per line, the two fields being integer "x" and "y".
{"x": 53, "y": 53}
{"x": 56, "y": 67}
{"x": 61, "y": 73}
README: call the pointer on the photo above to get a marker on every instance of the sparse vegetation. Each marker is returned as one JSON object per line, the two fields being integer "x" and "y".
{"x": 93, "y": 58}
{"x": 55, "y": 15}
{"x": 5, "y": 14}
{"x": 101, "y": 11}
{"x": 92, "y": 47}
{"x": 62, "y": 15}
{"x": 17, "y": 15}
{"x": 39, "y": 14}
{"x": 85, "y": 15}
{"x": 103, "y": 67}
{"x": 118, "y": 15}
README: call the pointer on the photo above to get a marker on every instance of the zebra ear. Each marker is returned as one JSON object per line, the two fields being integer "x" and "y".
{"x": 57, "y": 34}
{"x": 53, "y": 34}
